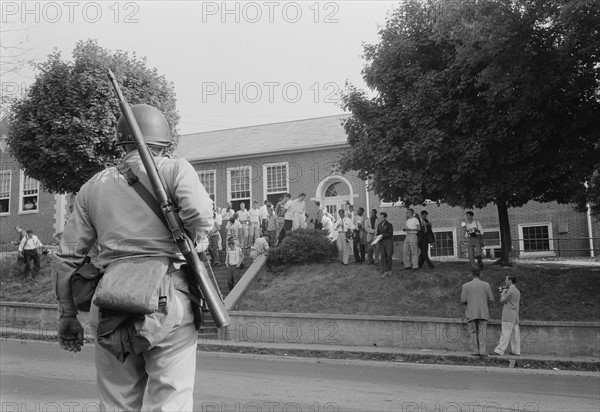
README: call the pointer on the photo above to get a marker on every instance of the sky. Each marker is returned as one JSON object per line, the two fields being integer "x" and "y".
{"x": 233, "y": 63}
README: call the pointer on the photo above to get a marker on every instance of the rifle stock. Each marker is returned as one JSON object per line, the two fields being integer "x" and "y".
{"x": 180, "y": 237}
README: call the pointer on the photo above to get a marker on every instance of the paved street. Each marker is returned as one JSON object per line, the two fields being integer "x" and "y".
{"x": 38, "y": 376}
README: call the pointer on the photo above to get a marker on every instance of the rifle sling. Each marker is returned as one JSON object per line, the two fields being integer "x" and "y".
{"x": 141, "y": 190}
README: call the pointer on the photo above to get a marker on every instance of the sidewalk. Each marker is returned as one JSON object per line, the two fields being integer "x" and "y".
{"x": 400, "y": 355}
{"x": 364, "y": 353}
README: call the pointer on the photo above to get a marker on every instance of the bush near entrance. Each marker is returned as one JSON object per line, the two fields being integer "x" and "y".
{"x": 302, "y": 246}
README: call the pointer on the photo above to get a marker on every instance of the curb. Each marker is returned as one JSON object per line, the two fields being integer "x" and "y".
{"x": 369, "y": 356}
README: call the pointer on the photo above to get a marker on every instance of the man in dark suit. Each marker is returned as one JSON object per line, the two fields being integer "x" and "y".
{"x": 426, "y": 237}
{"x": 386, "y": 245}
{"x": 476, "y": 294}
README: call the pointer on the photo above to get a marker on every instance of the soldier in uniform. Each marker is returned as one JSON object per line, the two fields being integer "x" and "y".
{"x": 112, "y": 214}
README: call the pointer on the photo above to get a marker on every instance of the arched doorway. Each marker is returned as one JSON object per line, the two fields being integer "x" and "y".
{"x": 335, "y": 193}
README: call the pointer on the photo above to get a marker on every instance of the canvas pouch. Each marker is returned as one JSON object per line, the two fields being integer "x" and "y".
{"x": 132, "y": 285}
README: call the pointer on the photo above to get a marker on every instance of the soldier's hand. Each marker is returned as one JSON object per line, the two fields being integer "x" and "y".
{"x": 70, "y": 333}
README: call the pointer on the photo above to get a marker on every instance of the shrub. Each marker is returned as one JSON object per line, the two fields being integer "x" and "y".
{"x": 303, "y": 246}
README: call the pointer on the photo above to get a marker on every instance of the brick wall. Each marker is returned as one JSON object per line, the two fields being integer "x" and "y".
{"x": 41, "y": 221}
{"x": 308, "y": 169}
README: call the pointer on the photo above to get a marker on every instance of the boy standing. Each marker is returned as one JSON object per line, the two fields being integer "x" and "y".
{"x": 233, "y": 260}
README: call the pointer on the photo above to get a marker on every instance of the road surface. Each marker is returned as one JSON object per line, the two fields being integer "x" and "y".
{"x": 38, "y": 376}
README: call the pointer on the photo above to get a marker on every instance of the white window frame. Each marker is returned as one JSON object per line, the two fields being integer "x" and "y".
{"x": 231, "y": 169}
{"x": 544, "y": 253}
{"x": 9, "y": 173}
{"x": 21, "y": 195}
{"x": 454, "y": 242}
{"x": 214, "y": 174}
{"x": 287, "y": 178}
{"x": 485, "y": 241}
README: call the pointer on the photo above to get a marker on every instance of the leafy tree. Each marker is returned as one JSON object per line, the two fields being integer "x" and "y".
{"x": 493, "y": 101}
{"x": 63, "y": 131}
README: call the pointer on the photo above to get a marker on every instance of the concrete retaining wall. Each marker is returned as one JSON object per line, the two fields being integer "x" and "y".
{"x": 542, "y": 338}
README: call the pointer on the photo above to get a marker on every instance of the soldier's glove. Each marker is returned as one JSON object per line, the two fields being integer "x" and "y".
{"x": 70, "y": 333}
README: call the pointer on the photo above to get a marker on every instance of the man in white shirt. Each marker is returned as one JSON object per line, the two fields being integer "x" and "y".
{"x": 345, "y": 229}
{"x": 254, "y": 220}
{"x": 410, "y": 247}
{"x": 244, "y": 219}
{"x": 299, "y": 212}
{"x": 29, "y": 250}
{"x": 327, "y": 225}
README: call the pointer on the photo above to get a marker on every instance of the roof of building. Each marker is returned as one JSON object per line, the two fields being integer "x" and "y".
{"x": 275, "y": 138}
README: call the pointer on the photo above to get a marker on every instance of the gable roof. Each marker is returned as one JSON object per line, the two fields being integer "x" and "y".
{"x": 267, "y": 139}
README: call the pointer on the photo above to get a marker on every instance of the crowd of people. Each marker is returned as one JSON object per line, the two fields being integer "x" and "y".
{"x": 257, "y": 228}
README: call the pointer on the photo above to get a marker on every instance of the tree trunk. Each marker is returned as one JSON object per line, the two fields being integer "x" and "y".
{"x": 505, "y": 237}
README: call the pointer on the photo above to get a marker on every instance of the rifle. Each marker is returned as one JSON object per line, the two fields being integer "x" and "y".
{"x": 195, "y": 267}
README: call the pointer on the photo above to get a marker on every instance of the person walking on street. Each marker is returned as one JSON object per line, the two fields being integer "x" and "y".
{"x": 110, "y": 213}
{"x": 510, "y": 298}
{"x": 29, "y": 250}
{"x": 476, "y": 294}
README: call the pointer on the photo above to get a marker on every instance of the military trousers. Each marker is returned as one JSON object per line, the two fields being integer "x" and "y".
{"x": 167, "y": 370}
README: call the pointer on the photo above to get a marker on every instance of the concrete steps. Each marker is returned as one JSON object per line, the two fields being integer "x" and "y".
{"x": 209, "y": 330}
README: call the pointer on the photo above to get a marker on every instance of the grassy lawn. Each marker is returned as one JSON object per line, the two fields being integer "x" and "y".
{"x": 549, "y": 291}
{"x": 14, "y": 288}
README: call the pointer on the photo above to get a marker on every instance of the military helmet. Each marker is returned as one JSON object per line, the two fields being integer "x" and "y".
{"x": 152, "y": 123}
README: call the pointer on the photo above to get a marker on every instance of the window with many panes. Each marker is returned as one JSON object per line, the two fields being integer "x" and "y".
{"x": 30, "y": 189}
{"x": 5, "y": 180}
{"x": 238, "y": 186}
{"x": 275, "y": 181}
{"x": 208, "y": 178}
{"x": 491, "y": 237}
{"x": 536, "y": 239}
{"x": 444, "y": 245}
